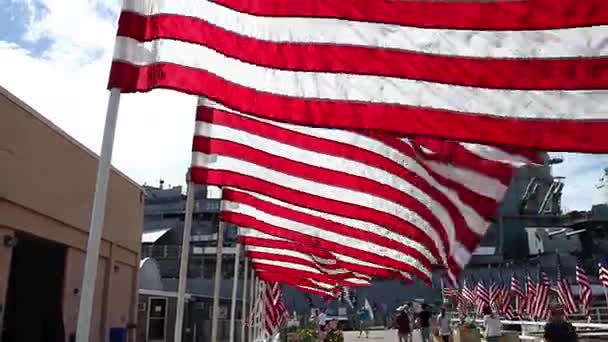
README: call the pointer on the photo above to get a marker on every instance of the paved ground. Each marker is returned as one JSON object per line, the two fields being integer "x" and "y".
{"x": 375, "y": 336}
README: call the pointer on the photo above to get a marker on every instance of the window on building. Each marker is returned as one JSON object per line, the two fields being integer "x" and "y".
{"x": 228, "y": 269}
{"x": 209, "y": 269}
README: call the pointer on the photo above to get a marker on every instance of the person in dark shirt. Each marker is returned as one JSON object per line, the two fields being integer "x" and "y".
{"x": 424, "y": 322}
{"x": 403, "y": 326}
{"x": 558, "y": 330}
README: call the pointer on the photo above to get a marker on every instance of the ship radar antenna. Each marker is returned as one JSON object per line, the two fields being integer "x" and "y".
{"x": 602, "y": 185}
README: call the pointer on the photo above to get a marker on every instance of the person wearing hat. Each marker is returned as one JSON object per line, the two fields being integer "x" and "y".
{"x": 402, "y": 321}
{"x": 558, "y": 329}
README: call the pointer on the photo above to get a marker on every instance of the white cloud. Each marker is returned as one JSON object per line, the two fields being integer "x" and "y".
{"x": 67, "y": 85}
{"x": 582, "y": 172}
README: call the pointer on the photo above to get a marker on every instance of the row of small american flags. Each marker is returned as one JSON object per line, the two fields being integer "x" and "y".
{"x": 530, "y": 299}
{"x": 304, "y": 106}
{"x": 269, "y": 309}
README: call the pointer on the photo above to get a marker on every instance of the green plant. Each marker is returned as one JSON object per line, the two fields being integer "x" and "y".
{"x": 334, "y": 336}
{"x": 308, "y": 333}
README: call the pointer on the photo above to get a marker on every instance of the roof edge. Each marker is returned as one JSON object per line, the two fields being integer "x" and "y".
{"x": 34, "y": 113}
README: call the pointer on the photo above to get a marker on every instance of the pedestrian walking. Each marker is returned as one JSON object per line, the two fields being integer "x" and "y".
{"x": 364, "y": 318}
{"x": 424, "y": 323}
{"x": 443, "y": 321}
{"x": 492, "y": 326}
{"x": 558, "y": 329}
{"x": 402, "y": 322}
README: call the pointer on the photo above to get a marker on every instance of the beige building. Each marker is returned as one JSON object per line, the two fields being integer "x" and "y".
{"x": 47, "y": 182}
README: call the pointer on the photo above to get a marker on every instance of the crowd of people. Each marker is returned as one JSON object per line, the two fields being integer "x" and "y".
{"x": 406, "y": 320}
{"x": 557, "y": 329}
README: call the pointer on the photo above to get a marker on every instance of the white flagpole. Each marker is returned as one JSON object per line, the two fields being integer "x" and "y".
{"x": 262, "y": 296}
{"x": 235, "y": 284}
{"x": 217, "y": 282}
{"x": 85, "y": 310}
{"x": 256, "y": 309}
{"x": 183, "y": 265}
{"x": 244, "y": 298}
{"x": 251, "y": 304}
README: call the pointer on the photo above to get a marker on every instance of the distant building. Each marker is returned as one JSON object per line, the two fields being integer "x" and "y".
{"x": 528, "y": 216}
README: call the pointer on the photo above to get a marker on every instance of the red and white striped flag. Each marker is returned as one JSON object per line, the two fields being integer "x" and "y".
{"x": 390, "y": 206}
{"x": 518, "y": 293}
{"x": 468, "y": 293}
{"x": 564, "y": 292}
{"x": 603, "y": 274}
{"x": 275, "y": 312}
{"x": 531, "y": 287}
{"x": 497, "y": 72}
{"x": 303, "y": 267}
{"x": 271, "y": 253}
{"x": 586, "y": 293}
{"x": 565, "y": 297}
{"x": 541, "y": 304}
{"x": 507, "y": 305}
{"x": 482, "y": 297}
{"x": 495, "y": 292}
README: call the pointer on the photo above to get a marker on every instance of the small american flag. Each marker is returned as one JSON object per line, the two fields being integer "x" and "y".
{"x": 483, "y": 297}
{"x": 585, "y": 287}
{"x": 520, "y": 297}
{"x": 564, "y": 292}
{"x": 541, "y": 307}
{"x": 565, "y": 297}
{"x": 531, "y": 287}
{"x": 603, "y": 275}
{"x": 275, "y": 312}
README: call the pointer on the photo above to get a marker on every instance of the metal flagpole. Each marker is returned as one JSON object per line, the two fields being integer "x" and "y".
{"x": 183, "y": 265}
{"x": 85, "y": 310}
{"x": 217, "y": 282}
{"x": 256, "y": 309}
{"x": 235, "y": 284}
{"x": 262, "y": 320}
{"x": 244, "y": 298}
{"x": 251, "y": 304}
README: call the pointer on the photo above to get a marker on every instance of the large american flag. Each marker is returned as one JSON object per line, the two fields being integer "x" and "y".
{"x": 603, "y": 274}
{"x": 383, "y": 206}
{"x": 586, "y": 293}
{"x": 520, "y": 73}
{"x": 282, "y": 260}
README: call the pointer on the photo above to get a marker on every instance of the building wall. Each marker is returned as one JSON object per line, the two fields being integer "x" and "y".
{"x": 47, "y": 184}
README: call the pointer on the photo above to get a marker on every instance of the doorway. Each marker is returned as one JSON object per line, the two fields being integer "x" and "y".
{"x": 35, "y": 292}
{"x": 157, "y": 319}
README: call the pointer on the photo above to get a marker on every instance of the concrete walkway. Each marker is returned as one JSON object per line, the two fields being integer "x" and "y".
{"x": 376, "y": 336}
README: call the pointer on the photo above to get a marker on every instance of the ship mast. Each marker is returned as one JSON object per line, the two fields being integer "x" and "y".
{"x": 602, "y": 185}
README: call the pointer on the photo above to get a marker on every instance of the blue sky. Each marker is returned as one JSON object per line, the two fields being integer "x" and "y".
{"x": 56, "y": 55}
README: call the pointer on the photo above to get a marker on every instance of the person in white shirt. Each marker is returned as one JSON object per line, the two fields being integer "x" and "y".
{"x": 443, "y": 321}
{"x": 322, "y": 320}
{"x": 491, "y": 325}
